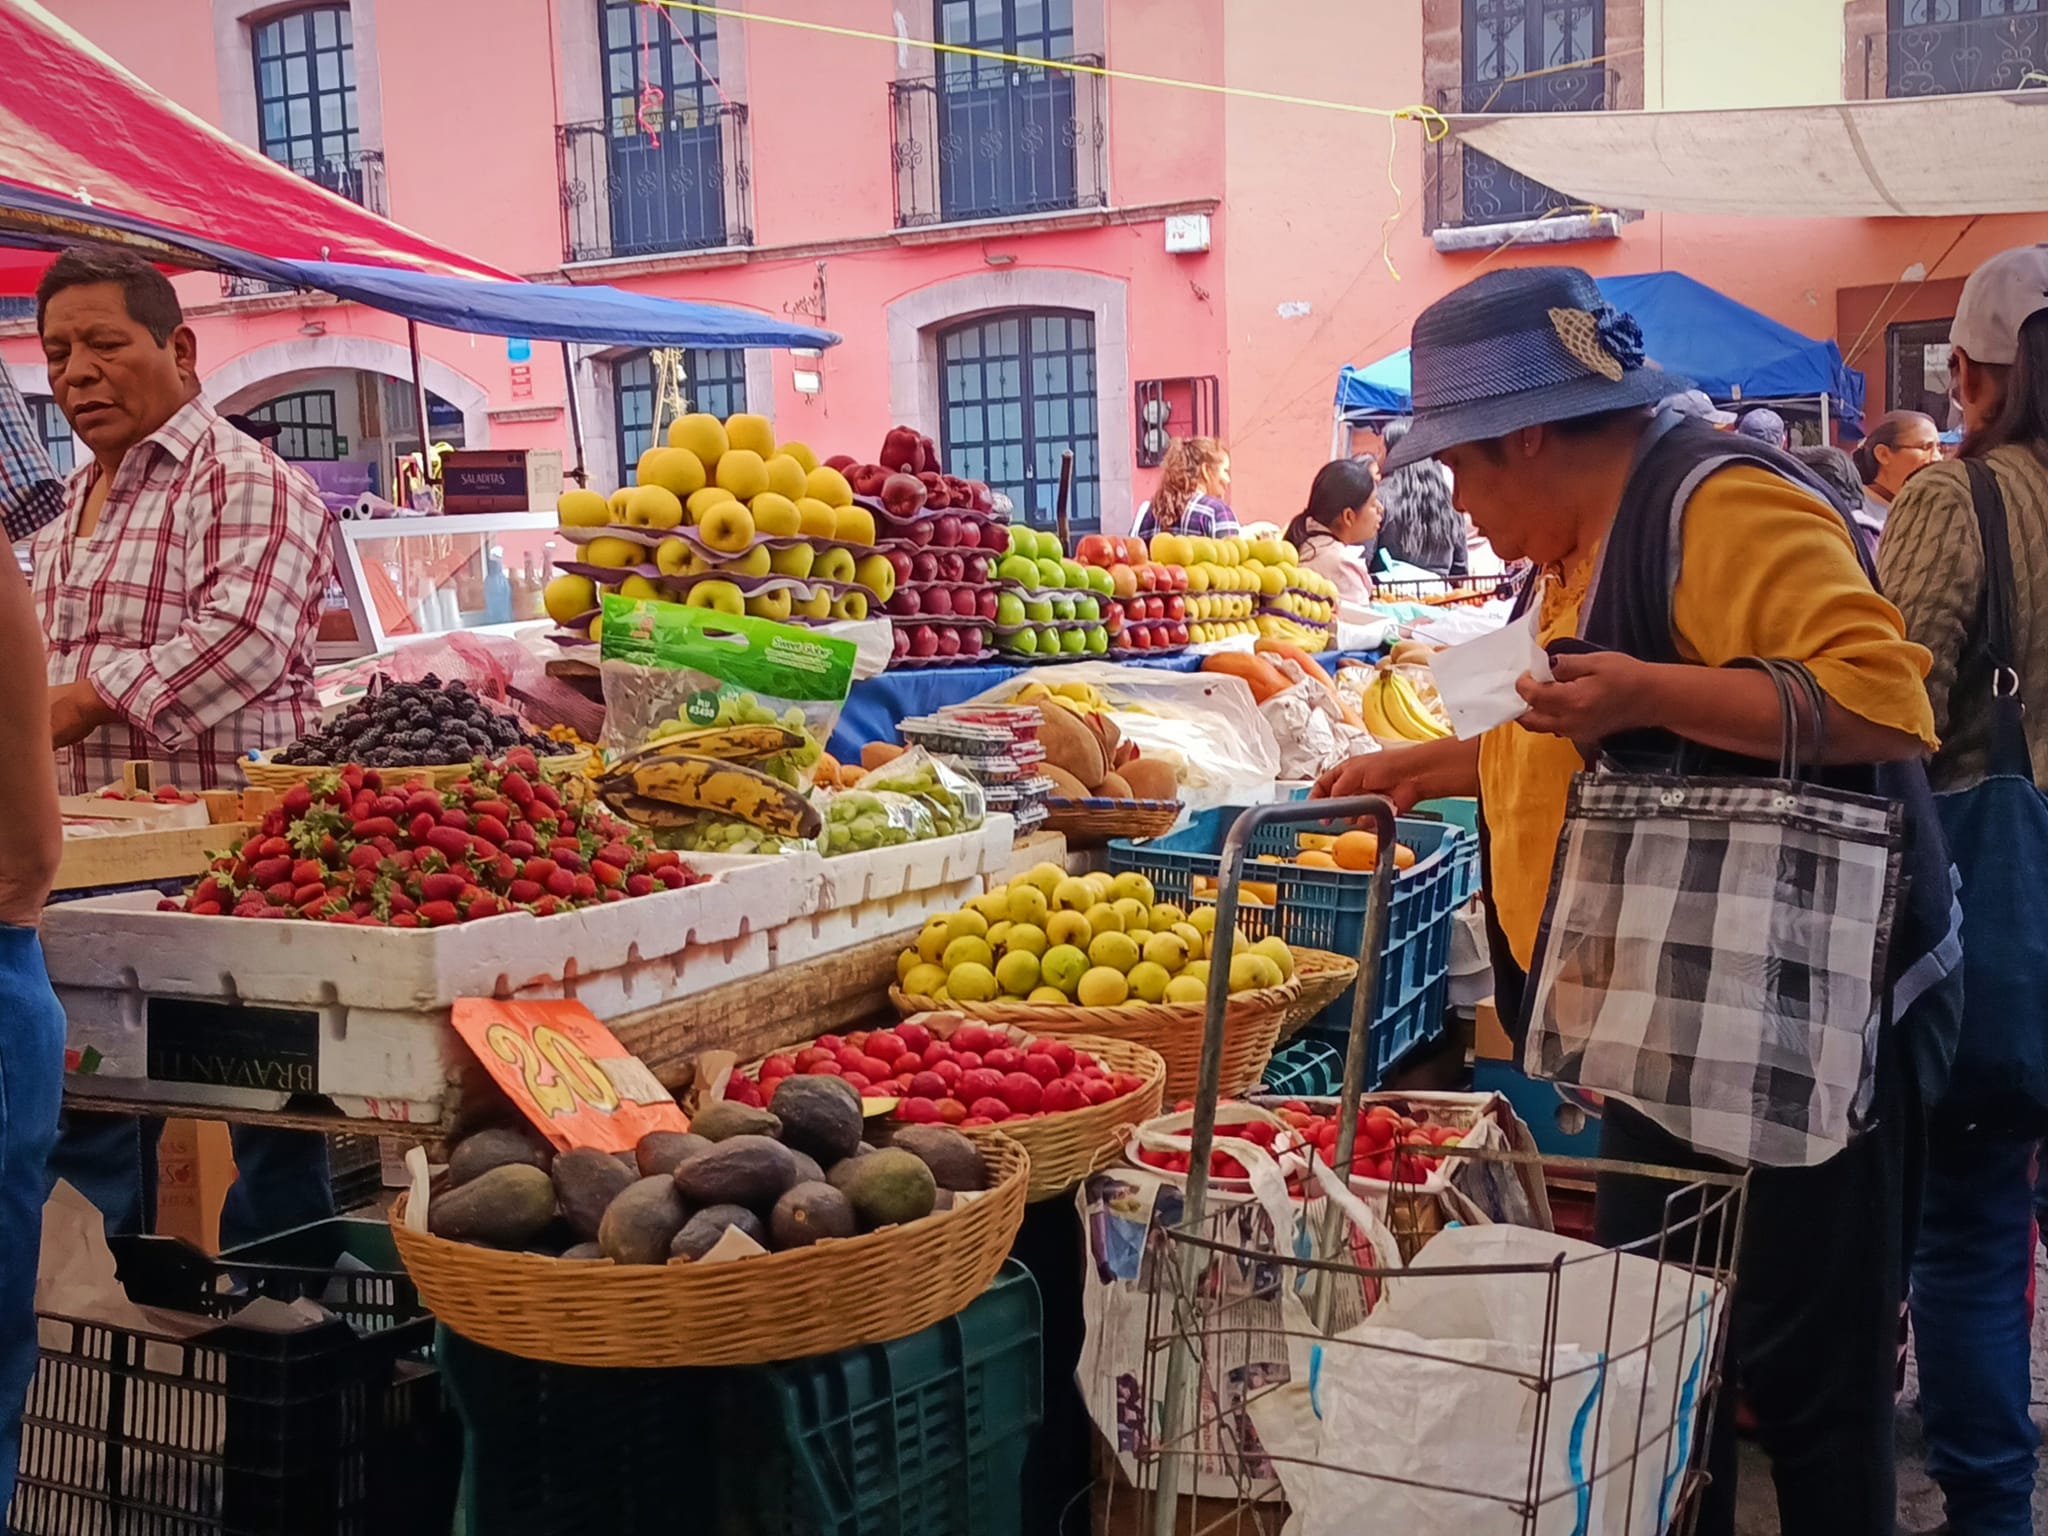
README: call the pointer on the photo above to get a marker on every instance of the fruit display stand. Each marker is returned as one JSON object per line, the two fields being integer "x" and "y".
{"x": 111, "y": 843}
{"x": 236, "y": 1014}
{"x": 829, "y": 1296}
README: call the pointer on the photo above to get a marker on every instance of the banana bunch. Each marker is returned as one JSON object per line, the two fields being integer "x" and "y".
{"x": 1394, "y": 711}
{"x": 664, "y": 787}
{"x": 731, "y": 743}
{"x": 1080, "y": 698}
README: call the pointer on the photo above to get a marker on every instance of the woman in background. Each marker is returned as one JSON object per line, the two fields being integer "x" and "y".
{"x": 1192, "y": 479}
{"x": 1343, "y": 512}
{"x": 1900, "y": 444}
{"x": 1419, "y": 525}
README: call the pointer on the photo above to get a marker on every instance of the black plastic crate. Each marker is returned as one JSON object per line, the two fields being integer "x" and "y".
{"x": 922, "y": 1436}
{"x": 337, "y": 1429}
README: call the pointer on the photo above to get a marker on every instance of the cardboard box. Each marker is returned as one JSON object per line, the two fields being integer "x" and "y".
{"x": 500, "y": 479}
{"x": 1489, "y": 1041}
{"x": 195, "y": 1164}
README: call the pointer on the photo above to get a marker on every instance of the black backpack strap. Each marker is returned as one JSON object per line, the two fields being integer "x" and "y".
{"x": 2009, "y": 754}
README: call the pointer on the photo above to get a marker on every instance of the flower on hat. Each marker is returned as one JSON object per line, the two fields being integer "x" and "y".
{"x": 1605, "y": 340}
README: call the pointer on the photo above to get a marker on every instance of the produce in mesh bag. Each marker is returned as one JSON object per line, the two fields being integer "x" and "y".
{"x": 726, "y": 834}
{"x": 860, "y": 819}
{"x": 955, "y": 801}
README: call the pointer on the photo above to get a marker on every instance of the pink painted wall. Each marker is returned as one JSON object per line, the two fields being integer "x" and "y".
{"x": 169, "y": 43}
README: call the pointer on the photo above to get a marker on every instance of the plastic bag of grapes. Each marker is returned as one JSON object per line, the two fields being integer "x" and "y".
{"x": 671, "y": 672}
{"x": 859, "y": 819}
{"x": 956, "y": 802}
{"x": 710, "y": 835}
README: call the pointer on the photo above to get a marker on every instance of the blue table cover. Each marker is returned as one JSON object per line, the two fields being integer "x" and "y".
{"x": 877, "y": 703}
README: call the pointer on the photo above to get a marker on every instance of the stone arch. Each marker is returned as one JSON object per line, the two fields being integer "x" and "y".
{"x": 915, "y": 319}
{"x": 306, "y": 354}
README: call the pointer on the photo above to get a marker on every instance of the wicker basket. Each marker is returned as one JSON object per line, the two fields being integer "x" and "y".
{"x": 778, "y": 1306}
{"x": 1251, "y": 1025}
{"x": 262, "y": 773}
{"x": 1323, "y": 978}
{"x": 1088, "y": 823}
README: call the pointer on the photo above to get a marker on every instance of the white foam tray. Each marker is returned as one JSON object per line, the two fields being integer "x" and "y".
{"x": 382, "y": 996}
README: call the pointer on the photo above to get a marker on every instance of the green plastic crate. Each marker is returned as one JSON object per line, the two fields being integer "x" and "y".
{"x": 923, "y": 1436}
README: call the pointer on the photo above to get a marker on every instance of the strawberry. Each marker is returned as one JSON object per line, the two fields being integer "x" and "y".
{"x": 538, "y": 870}
{"x": 388, "y": 805}
{"x": 524, "y": 892}
{"x": 672, "y": 876}
{"x": 585, "y": 887}
{"x": 400, "y": 902}
{"x": 544, "y": 794}
{"x": 297, "y": 800}
{"x": 368, "y": 827}
{"x": 561, "y": 883}
{"x": 204, "y": 909}
{"x": 449, "y": 841}
{"x": 489, "y": 828}
{"x": 279, "y": 893}
{"x": 207, "y": 889}
{"x": 518, "y": 847}
{"x": 545, "y": 907}
{"x": 421, "y": 825}
{"x": 275, "y": 848}
{"x": 568, "y": 855}
{"x": 455, "y": 816}
{"x": 639, "y": 885}
{"x": 446, "y": 887}
{"x": 517, "y": 789}
{"x": 364, "y": 856}
{"x": 404, "y": 920}
{"x": 485, "y": 905}
{"x": 614, "y": 894}
{"x": 504, "y": 869}
{"x": 423, "y": 802}
{"x": 497, "y": 808}
{"x": 439, "y": 914}
{"x": 365, "y": 882}
{"x": 307, "y": 872}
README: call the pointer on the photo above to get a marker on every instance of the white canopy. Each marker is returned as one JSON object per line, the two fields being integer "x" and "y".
{"x": 1920, "y": 157}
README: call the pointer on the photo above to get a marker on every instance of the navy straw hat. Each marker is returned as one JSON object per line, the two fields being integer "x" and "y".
{"x": 1518, "y": 348}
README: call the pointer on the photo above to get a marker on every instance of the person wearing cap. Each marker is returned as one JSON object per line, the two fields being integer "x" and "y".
{"x": 1973, "y": 1269}
{"x": 1765, "y": 425}
{"x": 1699, "y": 405}
{"x": 1537, "y": 395}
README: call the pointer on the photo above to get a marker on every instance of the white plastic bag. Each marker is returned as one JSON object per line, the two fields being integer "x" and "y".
{"x": 1439, "y": 1417}
{"x": 1310, "y": 729}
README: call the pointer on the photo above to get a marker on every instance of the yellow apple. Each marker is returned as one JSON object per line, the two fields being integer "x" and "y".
{"x": 850, "y": 605}
{"x": 876, "y": 574}
{"x": 775, "y": 515}
{"x": 582, "y": 509}
{"x": 853, "y": 525}
{"x": 672, "y": 557}
{"x": 654, "y": 506}
{"x": 673, "y": 469}
{"x": 815, "y": 519}
{"x": 769, "y": 605}
{"x": 833, "y": 565}
{"x": 793, "y": 560}
{"x": 817, "y": 606}
{"x": 755, "y": 562}
{"x": 727, "y": 526}
{"x": 567, "y": 596}
{"x": 700, "y": 502}
{"x": 615, "y": 552}
{"x": 826, "y": 484}
{"x": 785, "y": 476}
{"x": 722, "y": 596}
{"x": 640, "y": 589}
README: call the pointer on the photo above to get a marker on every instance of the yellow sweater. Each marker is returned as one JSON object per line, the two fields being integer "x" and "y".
{"x": 1765, "y": 571}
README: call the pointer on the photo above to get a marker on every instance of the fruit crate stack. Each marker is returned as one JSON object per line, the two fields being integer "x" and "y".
{"x": 724, "y": 518}
{"x": 1147, "y": 607}
{"x": 997, "y": 747}
{"x": 1061, "y": 608}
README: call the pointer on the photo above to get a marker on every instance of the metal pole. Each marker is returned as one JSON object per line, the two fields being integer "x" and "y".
{"x": 579, "y": 474}
{"x": 1062, "y": 501}
{"x": 1826, "y": 439}
{"x": 419, "y": 400}
{"x": 1208, "y": 1088}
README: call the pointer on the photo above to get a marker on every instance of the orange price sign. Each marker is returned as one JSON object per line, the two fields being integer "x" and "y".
{"x": 567, "y": 1073}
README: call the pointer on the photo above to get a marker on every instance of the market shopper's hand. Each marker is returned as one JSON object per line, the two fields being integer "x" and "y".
{"x": 1392, "y": 771}
{"x": 1591, "y": 696}
{"x": 76, "y": 711}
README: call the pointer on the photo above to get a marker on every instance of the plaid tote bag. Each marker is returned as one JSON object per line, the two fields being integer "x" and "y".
{"x": 1713, "y": 950}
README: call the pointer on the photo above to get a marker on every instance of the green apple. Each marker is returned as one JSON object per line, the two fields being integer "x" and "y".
{"x": 720, "y": 595}
{"x": 1049, "y": 545}
{"x": 1074, "y": 641}
{"x": 1038, "y": 610}
{"x": 1087, "y": 608}
{"x": 1098, "y": 642}
{"x": 1076, "y": 574}
{"x": 1022, "y": 643}
{"x": 1023, "y": 541}
{"x": 1051, "y": 573}
{"x": 1100, "y": 581}
{"x": 1063, "y": 607}
{"x": 1009, "y": 608}
{"x": 1021, "y": 569}
{"x": 1049, "y": 642}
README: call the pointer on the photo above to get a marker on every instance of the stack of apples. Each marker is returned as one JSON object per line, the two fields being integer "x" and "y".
{"x": 1053, "y": 608}
{"x": 724, "y": 518}
{"x": 1148, "y": 602}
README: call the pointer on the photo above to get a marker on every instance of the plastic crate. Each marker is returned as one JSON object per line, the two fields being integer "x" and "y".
{"x": 923, "y": 1436}
{"x": 332, "y": 1430}
{"x": 1325, "y": 909}
{"x": 1304, "y": 1069}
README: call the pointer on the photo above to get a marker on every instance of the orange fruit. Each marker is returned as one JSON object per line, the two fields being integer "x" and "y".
{"x": 1315, "y": 858}
{"x": 1404, "y": 856}
{"x": 1357, "y": 850}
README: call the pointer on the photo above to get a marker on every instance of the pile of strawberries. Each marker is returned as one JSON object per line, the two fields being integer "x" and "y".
{"x": 1382, "y": 1128}
{"x": 975, "y": 1076}
{"x": 380, "y": 851}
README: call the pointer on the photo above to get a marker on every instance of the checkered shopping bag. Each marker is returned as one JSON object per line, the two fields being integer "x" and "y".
{"x": 1713, "y": 954}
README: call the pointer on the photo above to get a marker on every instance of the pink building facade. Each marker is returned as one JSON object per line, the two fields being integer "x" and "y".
{"x": 1021, "y": 262}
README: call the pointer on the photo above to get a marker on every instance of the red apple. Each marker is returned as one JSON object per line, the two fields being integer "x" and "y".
{"x": 1177, "y": 577}
{"x": 951, "y": 566}
{"x": 995, "y": 538}
{"x": 924, "y": 566}
{"x": 966, "y": 602}
{"x": 1138, "y": 639}
{"x": 1176, "y": 606}
{"x": 1095, "y": 550}
{"x": 1155, "y": 607}
{"x": 974, "y": 568}
{"x": 918, "y": 532}
{"x": 949, "y": 641}
{"x": 924, "y": 640}
{"x": 989, "y": 597}
{"x": 899, "y": 644}
{"x": 938, "y": 601}
{"x": 950, "y": 531}
{"x": 900, "y": 562}
{"x": 1177, "y": 633}
{"x": 903, "y": 449}
{"x": 842, "y": 462}
{"x": 905, "y": 603}
{"x": 1123, "y": 579}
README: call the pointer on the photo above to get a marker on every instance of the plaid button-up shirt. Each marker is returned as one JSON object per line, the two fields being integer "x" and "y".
{"x": 31, "y": 491}
{"x": 193, "y": 607}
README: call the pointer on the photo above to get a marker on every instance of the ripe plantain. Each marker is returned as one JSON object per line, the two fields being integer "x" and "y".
{"x": 697, "y": 783}
{"x": 730, "y": 743}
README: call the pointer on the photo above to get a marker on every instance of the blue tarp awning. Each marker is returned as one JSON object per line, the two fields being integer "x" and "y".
{"x": 1725, "y": 348}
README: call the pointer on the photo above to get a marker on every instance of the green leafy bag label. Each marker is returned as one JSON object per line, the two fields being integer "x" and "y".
{"x": 744, "y": 653}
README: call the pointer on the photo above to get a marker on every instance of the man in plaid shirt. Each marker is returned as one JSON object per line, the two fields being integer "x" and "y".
{"x": 30, "y": 492}
{"x": 180, "y": 597}
{"x": 180, "y": 590}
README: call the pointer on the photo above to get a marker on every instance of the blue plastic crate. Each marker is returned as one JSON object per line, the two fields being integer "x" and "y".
{"x": 1325, "y": 909}
{"x": 1304, "y": 1069}
{"x": 1536, "y": 1103}
{"x": 922, "y": 1436}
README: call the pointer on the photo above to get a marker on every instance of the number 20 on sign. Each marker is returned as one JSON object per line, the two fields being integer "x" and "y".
{"x": 567, "y": 1073}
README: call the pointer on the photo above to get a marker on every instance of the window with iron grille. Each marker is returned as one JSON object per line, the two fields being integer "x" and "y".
{"x": 55, "y": 432}
{"x": 1943, "y": 47}
{"x": 1916, "y": 368}
{"x": 306, "y": 100}
{"x": 306, "y": 423}
{"x": 1525, "y": 56}
{"x": 1016, "y": 389}
{"x": 714, "y": 381}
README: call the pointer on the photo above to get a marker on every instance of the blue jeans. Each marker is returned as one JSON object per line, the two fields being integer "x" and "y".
{"x": 31, "y": 1093}
{"x": 1971, "y": 1273}
{"x": 281, "y": 1178}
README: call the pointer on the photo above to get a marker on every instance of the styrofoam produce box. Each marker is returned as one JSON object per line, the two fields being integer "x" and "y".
{"x": 864, "y": 896}
{"x": 233, "y": 1011}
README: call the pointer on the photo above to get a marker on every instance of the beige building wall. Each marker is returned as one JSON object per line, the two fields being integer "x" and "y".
{"x": 1704, "y": 54}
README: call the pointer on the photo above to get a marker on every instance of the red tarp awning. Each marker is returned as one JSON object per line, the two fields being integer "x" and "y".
{"x": 77, "y": 125}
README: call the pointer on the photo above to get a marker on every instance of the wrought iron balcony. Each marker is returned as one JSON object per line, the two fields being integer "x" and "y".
{"x": 986, "y": 140}
{"x": 1937, "y": 57}
{"x": 682, "y": 184}
{"x": 1467, "y": 187}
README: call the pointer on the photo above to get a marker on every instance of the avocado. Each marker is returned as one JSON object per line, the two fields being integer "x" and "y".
{"x": 721, "y": 1120}
{"x": 506, "y": 1207}
{"x": 640, "y": 1224}
{"x": 809, "y": 1213}
{"x": 954, "y": 1159}
{"x": 583, "y": 1251}
{"x": 807, "y": 1169}
{"x": 493, "y": 1148}
{"x": 660, "y": 1151}
{"x": 752, "y": 1171}
{"x": 700, "y": 1234}
{"x": 586, "y": 1181}
{"x": 891, "y": 1187}
{"x": 842, "y": 1170}
{"x": 819, "y": 1115}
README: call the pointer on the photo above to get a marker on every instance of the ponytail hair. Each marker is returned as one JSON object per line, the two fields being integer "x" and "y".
{"x": 1187, "y": 463}
{"x": 1339, "y": 486}
{"x": 1884, "y": 433}
{"x": 2022, "y": 419}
